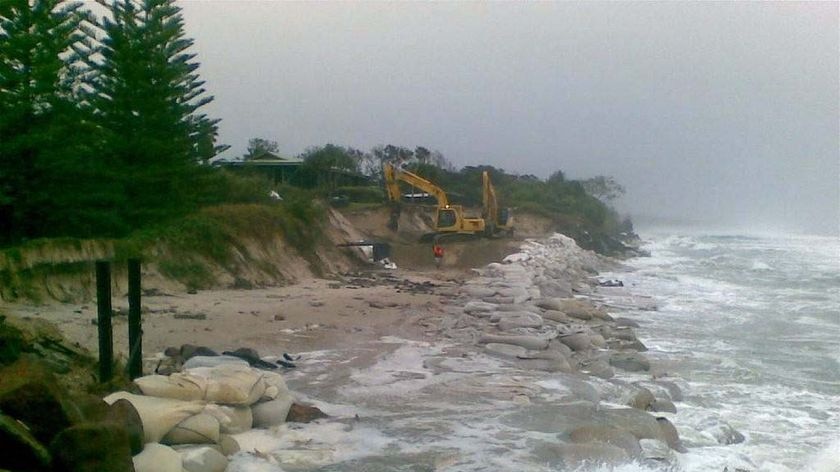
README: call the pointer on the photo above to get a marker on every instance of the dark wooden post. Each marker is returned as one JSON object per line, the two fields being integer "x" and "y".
{"x": 103, "y": 306}
{"x": 135, "y": 329}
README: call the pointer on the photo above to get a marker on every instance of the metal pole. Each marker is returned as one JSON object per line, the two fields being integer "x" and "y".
{"x": 103, "y": 305}
{"x": 135, "y": 329}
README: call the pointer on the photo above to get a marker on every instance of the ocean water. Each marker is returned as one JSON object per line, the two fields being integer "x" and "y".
{"x": 748, "y": 327}
{"x": 751, "y": 326}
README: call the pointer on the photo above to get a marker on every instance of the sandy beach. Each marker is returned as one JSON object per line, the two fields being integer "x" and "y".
{"x": 513, "y": 365}
{"x": 312, "y": 314}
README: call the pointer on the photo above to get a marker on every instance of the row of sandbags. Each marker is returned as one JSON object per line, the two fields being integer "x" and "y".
{"x": 529, "y": 305}
{"x": 191, "y": 418}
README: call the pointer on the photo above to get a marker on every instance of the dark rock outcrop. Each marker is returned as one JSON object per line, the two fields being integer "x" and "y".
{"x": 92, "y": 447}
{"x": 123, "y": 413}
{"x": 304, "y": 414}
{"x": 29, "y": 393}
{"x": 19, "y": 450}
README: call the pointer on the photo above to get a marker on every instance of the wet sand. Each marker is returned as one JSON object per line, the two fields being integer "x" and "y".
{"x": 311, "y": 315}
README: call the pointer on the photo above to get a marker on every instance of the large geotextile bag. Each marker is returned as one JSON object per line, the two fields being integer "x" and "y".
{"x": 232, "y": 419}
{"x": 275, "y": 386}
{"x": 231, "y": 384}
{"x": 158, "y": 458}
{"x": 179, "y": 386}
{"x": 159, "y": 415}
{"x": 272, "y": 412}
{"x": 199, "y": 429}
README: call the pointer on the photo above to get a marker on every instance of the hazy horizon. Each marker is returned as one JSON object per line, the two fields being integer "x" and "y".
{"x": 725, "y": 113}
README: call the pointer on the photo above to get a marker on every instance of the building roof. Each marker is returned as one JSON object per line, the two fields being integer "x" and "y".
{"x": 266, "y": 159}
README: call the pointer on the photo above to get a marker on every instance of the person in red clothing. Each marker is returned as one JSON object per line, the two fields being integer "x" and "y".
{"x": 437, "y": 249}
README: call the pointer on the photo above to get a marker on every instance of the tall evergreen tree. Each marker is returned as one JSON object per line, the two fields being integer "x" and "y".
{"x": 148, "y": 94}
{"x": 40, "y": 43}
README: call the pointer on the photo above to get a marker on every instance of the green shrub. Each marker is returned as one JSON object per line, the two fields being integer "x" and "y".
{"x": 11, "y": 342}
{"x": 191, "y": 273}
{"x": 219, "y": 186}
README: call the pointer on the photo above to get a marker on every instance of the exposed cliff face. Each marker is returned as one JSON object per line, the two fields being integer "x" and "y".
{"x": 63, "y": 270}
{"x": 52, "y": 269}
{"x": 253, "y": 251}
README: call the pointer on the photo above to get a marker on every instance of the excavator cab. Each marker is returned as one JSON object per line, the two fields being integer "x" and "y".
{"x": 446, "y": 217}
{"x": 449, "y": 219}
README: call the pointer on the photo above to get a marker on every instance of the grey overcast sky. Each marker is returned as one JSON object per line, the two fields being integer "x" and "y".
{"x": 722, "y": 113}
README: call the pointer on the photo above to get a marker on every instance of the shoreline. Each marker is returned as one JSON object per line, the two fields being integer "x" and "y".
{"x": 443, "y": 335}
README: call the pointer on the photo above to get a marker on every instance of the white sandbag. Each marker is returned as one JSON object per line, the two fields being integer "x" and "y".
{"x": 515, "y": 312}
{"x": 178, "y": 386}
{"x": 533, "y": 343}
{"x": 518, "y": 294}
{"x": 157, "y": 458}
{"x": 231, "y": 384}
{"x": 580, "y": 309}
{"x": 597, "y": 340}
{"x": 577, "y": 341}
{"x": 550, "y": 304}
{"x": 517, "y": 308}
{"x": 520, "y": 320}
{"x": 275, "y": 386}
{"x": 545, "y": 355}
{"x": 557, "y": 316}
{"x": 232, "y": 419}
{"x": 474, "y": 307}
{"x": 203, "y": 459}
{"x": 228, "y": 444}
{"x": 199, "y": 429}
{"x": 505, "y": 350}
{"x": 498, "y": 299}
{"x": 480, "y": 292}
{"x": 213, "y": 361}
{"x": 556, "y": 288}
{"x": 518, "y": 257}
{"x": 272, "y": 412}
{"x": 158, "y": 415}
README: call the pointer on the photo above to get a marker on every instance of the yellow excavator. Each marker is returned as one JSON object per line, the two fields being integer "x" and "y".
{"x": 496, "y": 220}
{"x": 450, "y": 219}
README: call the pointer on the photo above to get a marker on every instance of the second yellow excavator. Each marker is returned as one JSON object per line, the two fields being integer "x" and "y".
{"x": 497, "y": 220}
{"x": 450, "y": 219}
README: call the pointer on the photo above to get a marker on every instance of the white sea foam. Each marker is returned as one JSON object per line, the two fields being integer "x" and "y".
{"x": 828, "y": 459}
{"x": 754, "y": 324}
{"x": 759, "y": 265}
{"x": 750, "y": 346}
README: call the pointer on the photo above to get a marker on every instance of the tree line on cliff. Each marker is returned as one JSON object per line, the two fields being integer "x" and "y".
{"x": 579, "y": 207}
{"x": 102, "y": 133}
{"x": 100, "y": 122}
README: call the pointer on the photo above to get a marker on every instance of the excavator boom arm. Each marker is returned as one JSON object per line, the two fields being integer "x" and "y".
{"x": 491, "y": 206}
{"x": 393, "y": 175}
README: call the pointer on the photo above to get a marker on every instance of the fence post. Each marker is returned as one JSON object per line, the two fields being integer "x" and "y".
{"x": 135, "y": 328}
{"x": 103, "y": 309}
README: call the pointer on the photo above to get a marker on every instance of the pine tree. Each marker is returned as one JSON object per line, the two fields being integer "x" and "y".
{"x": 40, "y": 43}
{"x": 148, "y": 94}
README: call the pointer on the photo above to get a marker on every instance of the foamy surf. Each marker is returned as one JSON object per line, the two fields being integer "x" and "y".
{"x": 760, "y": 388}
{"x": 752, "y": 323}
